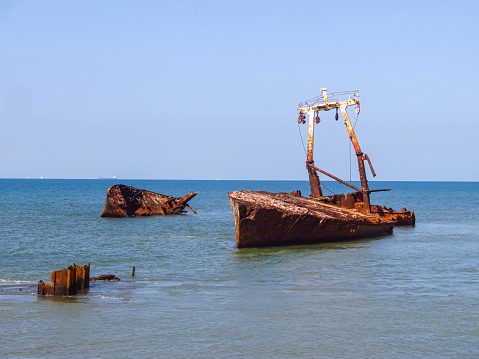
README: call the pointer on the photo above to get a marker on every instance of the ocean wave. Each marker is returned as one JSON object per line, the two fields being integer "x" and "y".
{"x": 13, "y": 281}
{"x": 109, "y": 297}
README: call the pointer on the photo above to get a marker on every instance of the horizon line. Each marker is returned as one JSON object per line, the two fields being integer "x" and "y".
{"x": 217, "y": 179}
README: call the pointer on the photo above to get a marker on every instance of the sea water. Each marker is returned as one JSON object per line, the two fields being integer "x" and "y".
{"x": 195, "y": 295}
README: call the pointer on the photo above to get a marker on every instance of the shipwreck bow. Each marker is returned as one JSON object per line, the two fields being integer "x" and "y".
{"x": 127, "y": 201}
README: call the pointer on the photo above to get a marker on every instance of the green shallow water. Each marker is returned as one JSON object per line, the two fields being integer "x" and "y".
{"x": 412, "y": 294}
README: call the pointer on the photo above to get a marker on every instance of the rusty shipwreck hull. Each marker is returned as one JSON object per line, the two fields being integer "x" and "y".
{"x": 126, "y": 201}
{"x": 278, "y": 219}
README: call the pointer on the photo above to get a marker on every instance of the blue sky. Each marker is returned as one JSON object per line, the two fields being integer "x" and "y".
{"x": 209, "y": 89}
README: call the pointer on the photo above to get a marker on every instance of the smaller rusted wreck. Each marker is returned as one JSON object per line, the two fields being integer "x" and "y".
{"x": 126, "y": 201}
{"x": 66, "y": 282}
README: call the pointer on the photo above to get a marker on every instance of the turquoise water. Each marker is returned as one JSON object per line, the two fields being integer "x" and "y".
{"x": 412, "y": 294}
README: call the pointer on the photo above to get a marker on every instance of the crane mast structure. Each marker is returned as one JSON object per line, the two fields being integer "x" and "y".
{"x": 323, "y": 103}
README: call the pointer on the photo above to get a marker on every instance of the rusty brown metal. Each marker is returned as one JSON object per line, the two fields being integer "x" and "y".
{"x": 127, "y": 201}
{"x": 67, "y": 281}
{"x": 191, "y": 209}
{"x": 402, "y": 218}
{"x": 313, "y": 175}
{"x": 359, "y": 155}
{"x": 342, "y": 106}
{"x": 328, "y": 106}
{"x": 310, "y": 137}
{"x": 334, "y": 177}
{"x": 277, "y": 219}
{"x": 314, "y": 182}
{"x": 366, "y": 157}
{"x": 107, "y": 277}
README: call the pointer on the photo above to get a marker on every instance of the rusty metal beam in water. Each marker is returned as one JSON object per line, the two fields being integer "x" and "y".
{"x": 191, "y": 209}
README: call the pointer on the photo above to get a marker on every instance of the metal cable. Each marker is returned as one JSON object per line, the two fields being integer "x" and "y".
{"x": 301, "y": 136}
{"x": 322, "y": 185}
{"x": 349, "y": 161}
{"x": 357, "y": 116}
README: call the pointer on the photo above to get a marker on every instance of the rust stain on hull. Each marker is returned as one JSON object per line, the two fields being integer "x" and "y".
{"x": 126, "y": 201}
{"x": 278, "y": 219}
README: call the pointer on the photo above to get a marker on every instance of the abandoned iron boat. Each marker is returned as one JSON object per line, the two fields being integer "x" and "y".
{"x": 127, "y": 201}
{"x": 278, "y": 219}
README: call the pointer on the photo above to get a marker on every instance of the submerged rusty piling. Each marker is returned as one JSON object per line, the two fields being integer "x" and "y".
{"x": 67, "y": 281}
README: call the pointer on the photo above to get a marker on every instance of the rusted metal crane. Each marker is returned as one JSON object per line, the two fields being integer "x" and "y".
{"x": 322, "y": 103}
